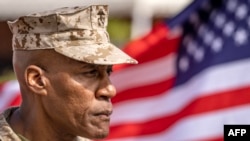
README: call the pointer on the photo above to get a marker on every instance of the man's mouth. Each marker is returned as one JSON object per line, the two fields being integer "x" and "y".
{"x": 105, "y": 115}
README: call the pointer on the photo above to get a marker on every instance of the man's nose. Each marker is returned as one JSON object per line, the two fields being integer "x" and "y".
{"x": 106, "y": 89}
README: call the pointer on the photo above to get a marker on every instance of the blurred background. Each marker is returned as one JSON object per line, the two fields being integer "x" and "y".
{"x": 128, "y": 20}
{"x": 193, "y": 72}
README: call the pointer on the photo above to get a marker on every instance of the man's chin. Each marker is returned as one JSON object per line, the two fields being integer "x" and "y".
{"x": 102, "y": 133}
{"x": 99, "y": 132}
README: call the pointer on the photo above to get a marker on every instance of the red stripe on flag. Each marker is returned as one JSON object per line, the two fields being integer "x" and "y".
{"x": 216, "y": 139}
{"x": 1, "y": 88}
{"x": 144, "y": 91}
{"x": 153, "y": 46}
{"x": 219, "y": 101}
{"x": 15, "y": 101}
{"x": 212, "y": 139}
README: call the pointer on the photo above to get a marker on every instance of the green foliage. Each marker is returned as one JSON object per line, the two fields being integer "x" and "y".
{"x": 7, "y": 75}
{"x": 119, "y": 31}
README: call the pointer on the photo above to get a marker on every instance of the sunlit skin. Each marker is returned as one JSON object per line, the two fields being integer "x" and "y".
{"x": 62, "y": 98}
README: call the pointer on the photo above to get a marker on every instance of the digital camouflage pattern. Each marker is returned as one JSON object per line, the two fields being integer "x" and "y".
{"x": 76, "y": 32}
{"x": 6, "y": 133}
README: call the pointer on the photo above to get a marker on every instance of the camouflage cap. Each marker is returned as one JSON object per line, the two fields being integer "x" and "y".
{"x": 76, "y": 32}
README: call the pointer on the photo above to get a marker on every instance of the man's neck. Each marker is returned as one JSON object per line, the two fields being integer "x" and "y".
{"x": 33, "y": 126}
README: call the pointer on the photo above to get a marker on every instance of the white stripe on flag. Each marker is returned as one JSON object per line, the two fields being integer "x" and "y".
{"x": 9, "y": 91}
{"x": 143, "y": 74}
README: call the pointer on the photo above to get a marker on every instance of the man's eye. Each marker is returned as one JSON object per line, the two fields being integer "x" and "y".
{"x": 91, "y": 73}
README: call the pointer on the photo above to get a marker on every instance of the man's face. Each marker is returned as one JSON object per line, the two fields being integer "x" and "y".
{"x": 78, "y": 100}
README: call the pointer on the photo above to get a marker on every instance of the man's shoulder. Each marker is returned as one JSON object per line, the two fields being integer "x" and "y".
{"x": 6, "y": 133}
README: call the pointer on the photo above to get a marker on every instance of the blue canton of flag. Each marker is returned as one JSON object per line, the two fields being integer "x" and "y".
{"x": 215, "y": 32}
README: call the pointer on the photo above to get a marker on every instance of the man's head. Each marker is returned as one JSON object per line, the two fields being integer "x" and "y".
{"x": 62, "y": 60}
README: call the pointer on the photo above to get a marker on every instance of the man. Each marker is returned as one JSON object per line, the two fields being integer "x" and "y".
{"x": 62, "y": 60}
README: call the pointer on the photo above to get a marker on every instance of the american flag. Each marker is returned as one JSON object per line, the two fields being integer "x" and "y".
{"x": 9, "y": 94}
{"x": 188, "y": 84}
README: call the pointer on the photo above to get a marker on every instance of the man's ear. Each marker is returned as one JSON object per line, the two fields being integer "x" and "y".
{"x": 36, "y": 80}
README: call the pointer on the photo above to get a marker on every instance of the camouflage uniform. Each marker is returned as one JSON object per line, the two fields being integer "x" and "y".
{"x": 6, "y": 133}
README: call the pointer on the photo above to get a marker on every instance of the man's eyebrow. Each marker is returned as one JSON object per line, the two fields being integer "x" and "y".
{"x": 86, "y": 66}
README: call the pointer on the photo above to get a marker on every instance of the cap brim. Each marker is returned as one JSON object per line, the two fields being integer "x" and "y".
{"x": 102, "y": 54}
